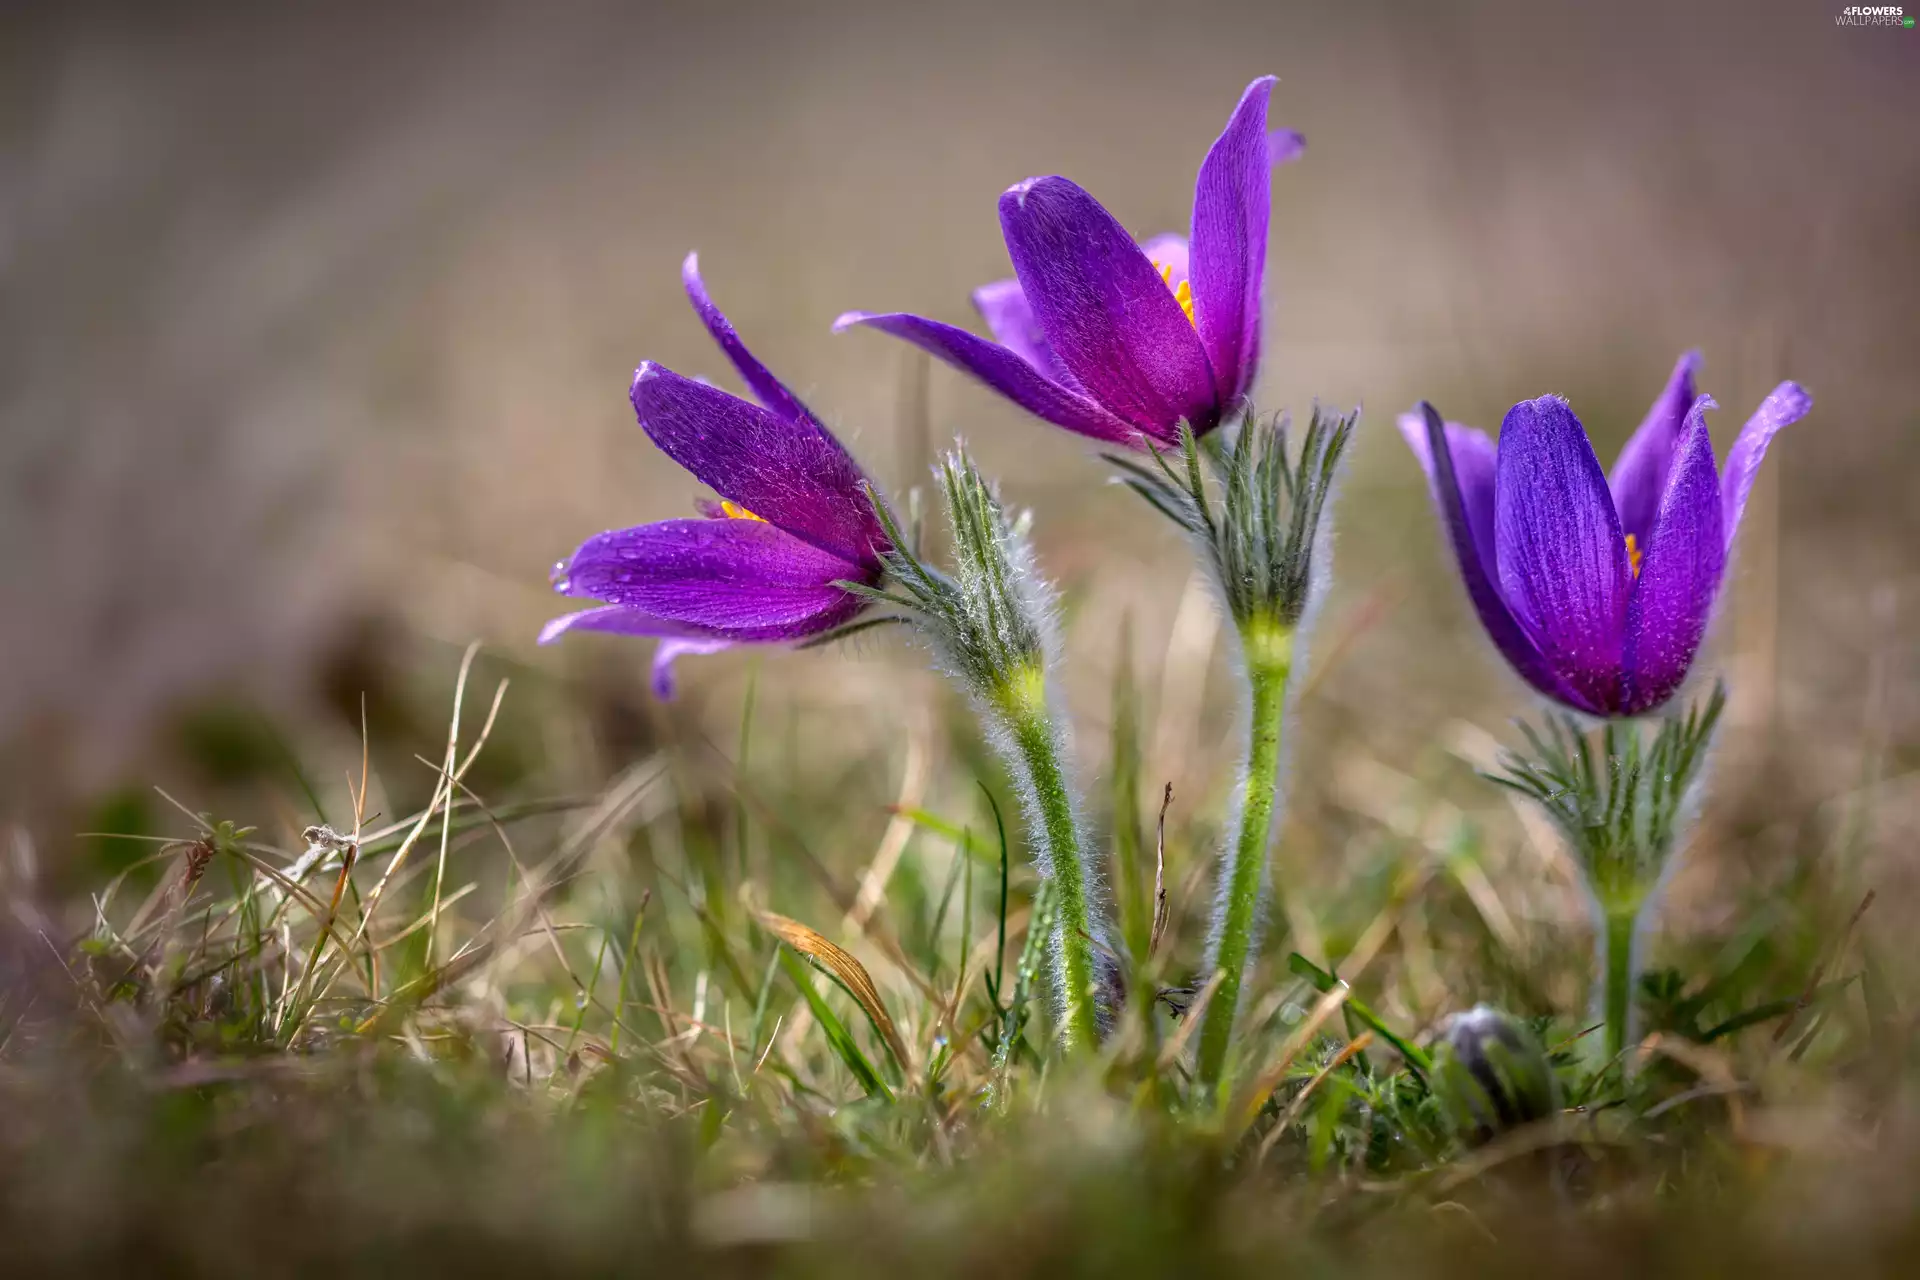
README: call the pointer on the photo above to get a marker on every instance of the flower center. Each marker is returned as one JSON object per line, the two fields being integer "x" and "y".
{"x": 734, "y": 511}
{"x": 1634, "y": 554}
{"x": 1182, "y": 294}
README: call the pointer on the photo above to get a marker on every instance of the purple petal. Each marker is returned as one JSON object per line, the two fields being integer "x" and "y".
{"x": 1788, "y": 403}
{"x": 663, "y": 656}
{"x": 1285, "y": 146}
{"x": 1680, "y": 572}
{"x": 1004, "y": 371}
{"x": 1111, "y": 319}
{"x": 613, "y": 618}
{"x": 718, "y": 579}
{"x": 1003, "y": 305}
{"x": 769, "y": 390}
{"x": 1230, "y": 208}
{"x": 1562, "y": 559}
{"x": 1471, "y": 454}
{"x": 1640, "y": 475}
{"x": 787, "y": 471}
{"x": 1460, "y": 472}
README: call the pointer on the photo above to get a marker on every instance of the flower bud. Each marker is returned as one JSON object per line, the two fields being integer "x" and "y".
{"x": 1490, "y": 1075}
{"x": 990, "y": 619}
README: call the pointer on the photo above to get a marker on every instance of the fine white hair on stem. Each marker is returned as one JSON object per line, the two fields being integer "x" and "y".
{"x": 1258, "y": 517}
{"x": 992, "y": 626}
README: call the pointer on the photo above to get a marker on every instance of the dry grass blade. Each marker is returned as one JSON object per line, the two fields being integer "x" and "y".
{"x": 1710, "y": 1066}
{"x": 1358, "y": 621}
{"x": 913, "y": 788}
{"x": 443, "y": 791}
{"x": 1244, "y": 1112}
{"x": 850, "y": 972}
{"x": 859, "y": 917}
{"x": 424, "y": 988}
{"x": 1299, "y": 1103}
{"x": 293, "y": 889}
{"x": 1542, "y": 1135}
{"x": 1407, "y": 883}
{"x": 1161, "y": 913}
{"x": 449, "y": 781}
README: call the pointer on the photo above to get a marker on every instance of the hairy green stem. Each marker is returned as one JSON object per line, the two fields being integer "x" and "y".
{"x": 1269, "y": 659}
{"x": 1052, "y": 815}
{"x": 1619, "y": 974}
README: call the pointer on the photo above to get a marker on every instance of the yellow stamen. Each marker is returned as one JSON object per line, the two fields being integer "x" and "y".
{"x": 1183, "y": 294}
{"x": 1634, "y": 554}
{"x": 734, "y": 511}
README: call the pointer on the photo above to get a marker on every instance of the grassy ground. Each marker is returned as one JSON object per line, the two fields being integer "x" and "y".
{"x": 500, "y": 1027}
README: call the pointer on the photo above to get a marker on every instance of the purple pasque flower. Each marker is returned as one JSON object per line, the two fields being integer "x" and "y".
{"x": 762, "y": 566}
{"x": 1121, "y": 341}
{"x": 1597, "y": 589}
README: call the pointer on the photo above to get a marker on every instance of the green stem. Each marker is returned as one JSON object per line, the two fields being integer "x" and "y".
{"x": 1619, "y": 977}
{"x": 1052, "y": 816}
{"x": 1269, "y": 659}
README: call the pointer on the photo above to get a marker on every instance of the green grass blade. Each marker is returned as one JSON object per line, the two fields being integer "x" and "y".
{"x": 837, "y": 1035}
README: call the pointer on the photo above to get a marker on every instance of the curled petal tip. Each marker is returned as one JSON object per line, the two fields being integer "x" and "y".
{"x": 690, "y": 280}
{"x": 848, "y": 319}
{"x": 1284, "y": 145}
{"x": 1793, "y": 397}
{"x": 1784, "y": 406}
{"x": 1421, "y": 425}
{"x": 1018, "y": 191}
{"x": 555, "y": 629}
{"x": 664, "y": 685}
{"x": 646, "y": 373}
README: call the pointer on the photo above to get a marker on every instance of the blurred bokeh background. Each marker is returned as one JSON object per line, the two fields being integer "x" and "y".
{"x": 316, "y": 324}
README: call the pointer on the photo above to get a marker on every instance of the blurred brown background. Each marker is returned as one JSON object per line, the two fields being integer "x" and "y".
{"x": 316, "y": 323}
